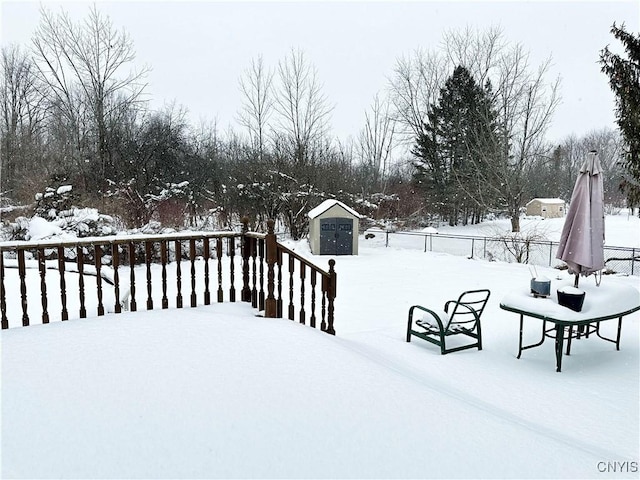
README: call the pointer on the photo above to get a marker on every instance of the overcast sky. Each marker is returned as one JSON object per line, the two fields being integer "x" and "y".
{"x": 198, "y": 50}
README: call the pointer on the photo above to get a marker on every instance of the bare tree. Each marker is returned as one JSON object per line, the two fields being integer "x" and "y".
{"x": 477, "y": 50}
{"x": 257, "y": 106}
{"x": 375, "y": 143}
{"x": 523, "y": 100}
{"x": 22, "y": 111}
{"x": 302, "y": 107}
{"x": 414, "y": 88}
{"x": 526, "y": 103}
{"x": 83, "y": 65}
{"x": 608, "y": 144}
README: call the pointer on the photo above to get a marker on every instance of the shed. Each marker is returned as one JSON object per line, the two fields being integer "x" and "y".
{"x": 333, "y": 229}
{"x": 546, "y": 207}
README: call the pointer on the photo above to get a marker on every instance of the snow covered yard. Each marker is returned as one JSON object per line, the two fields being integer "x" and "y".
{"x": 216, "y": 392}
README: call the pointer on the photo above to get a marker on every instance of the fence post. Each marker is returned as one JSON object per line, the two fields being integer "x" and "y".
{"x": 270, "y": 306}
{"x": 245, "y": 250}
{"x": 633, "y": 259}
{"x": 331, "y": 295}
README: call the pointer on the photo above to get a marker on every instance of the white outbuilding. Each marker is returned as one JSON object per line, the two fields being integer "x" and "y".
{"x": 333, "y": 229}
{"x": 546, "y": 207}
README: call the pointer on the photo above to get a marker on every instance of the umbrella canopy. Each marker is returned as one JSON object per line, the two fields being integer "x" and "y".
{"x": 582, "y": 240}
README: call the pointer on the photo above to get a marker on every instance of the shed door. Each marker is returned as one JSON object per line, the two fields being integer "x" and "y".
{"x": 336, "y": 236}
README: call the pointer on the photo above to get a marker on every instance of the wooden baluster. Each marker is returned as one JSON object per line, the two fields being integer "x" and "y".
{"x": 313, "y": 298}
{"x": 3, "y": 295}
{"x": 80, "y": 263}
{"x": 246, "y": 246}
{"x": 23, "y": 286}
{"x": 279, "y": 299}
{"x": 205, "y": 252}
{"x": 192, "y": 257}
{"x": 254, "y": 274}
{"x": 133, "y": 306}
{"x": 219, "y": 257}
{"x": 323, "y": 310}
{"x": 97, "y": 251}
{"x": 232, "y": 254}
{"x": 303, "y": 272}
{"x": 163, "y": 259}
{"x": 178, "y": 245}
{"x": 148, "y": 253}
{"x": 291, "y": 272}
{"x": 261, "y": 294}
{"x": 63, "y": 284}
{"x": 43, "y": 285}
{"x": 331, "y": 295}
{"x": 115, "y": 252}
{"x": 271, "y": 251}
{"x": 22, "y": 272}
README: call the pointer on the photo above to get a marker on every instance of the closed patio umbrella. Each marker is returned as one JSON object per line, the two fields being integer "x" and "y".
{"x": 582, "y": 240}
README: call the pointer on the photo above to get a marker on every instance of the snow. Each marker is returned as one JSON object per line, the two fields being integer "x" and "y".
{"x": 621, "y": 230}
{"x": 610, "y": 298}
{"x": 557, "y": 201}
{"x": 216, "y": 392}
{"x": 40, "y": 228}
{"x": 64, "y": 189}
{"x": 327, "y": 204}
{"x": 571, "y": 290}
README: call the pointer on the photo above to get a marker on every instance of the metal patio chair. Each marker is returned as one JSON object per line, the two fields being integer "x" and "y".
{"x": 459, "y": 317}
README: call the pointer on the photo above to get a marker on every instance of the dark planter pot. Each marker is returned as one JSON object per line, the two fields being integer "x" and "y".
{"x": 574, "y": 301}
{"x": 540, "y": 288}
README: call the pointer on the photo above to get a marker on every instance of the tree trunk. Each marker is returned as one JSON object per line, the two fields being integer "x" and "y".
{"x": 515, "y": 222}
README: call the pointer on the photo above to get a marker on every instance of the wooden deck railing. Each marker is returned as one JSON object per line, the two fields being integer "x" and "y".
{"x": 263, "y": 252}
{"x": 95, "y": 276}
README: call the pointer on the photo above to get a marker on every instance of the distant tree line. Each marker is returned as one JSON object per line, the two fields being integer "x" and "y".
{"x": 458, "y": 134}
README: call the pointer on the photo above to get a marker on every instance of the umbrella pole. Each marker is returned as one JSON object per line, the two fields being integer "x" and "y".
{"x": 575, "y": 283}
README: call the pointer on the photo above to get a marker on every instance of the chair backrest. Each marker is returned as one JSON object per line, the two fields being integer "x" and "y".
{"x": 469, "y": 306}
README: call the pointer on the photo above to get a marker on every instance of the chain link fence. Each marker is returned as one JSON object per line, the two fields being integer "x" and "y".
{"x": 621, "y": 260}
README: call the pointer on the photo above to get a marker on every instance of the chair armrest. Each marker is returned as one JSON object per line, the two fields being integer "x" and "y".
{"x": 430, "y": 312}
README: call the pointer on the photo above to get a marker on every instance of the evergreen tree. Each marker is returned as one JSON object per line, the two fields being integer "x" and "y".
{"x": 450, "y": 149}
{"x": 624, "y": 79}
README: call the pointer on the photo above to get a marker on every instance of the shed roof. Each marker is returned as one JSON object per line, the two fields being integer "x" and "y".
{"x": 327, "y": 204}
{"x": 547, "y": 200}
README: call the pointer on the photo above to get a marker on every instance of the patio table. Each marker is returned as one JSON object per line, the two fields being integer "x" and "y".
{"x": 605, "y": 302}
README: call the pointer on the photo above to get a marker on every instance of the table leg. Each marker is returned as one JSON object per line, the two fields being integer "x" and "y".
{"x": 520, "y": 341}
{"x": 616, "y": 341}
{"x": 569, "y": 339}
{"x": 542, "y": 337}
{"x": 559, "y": 342}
